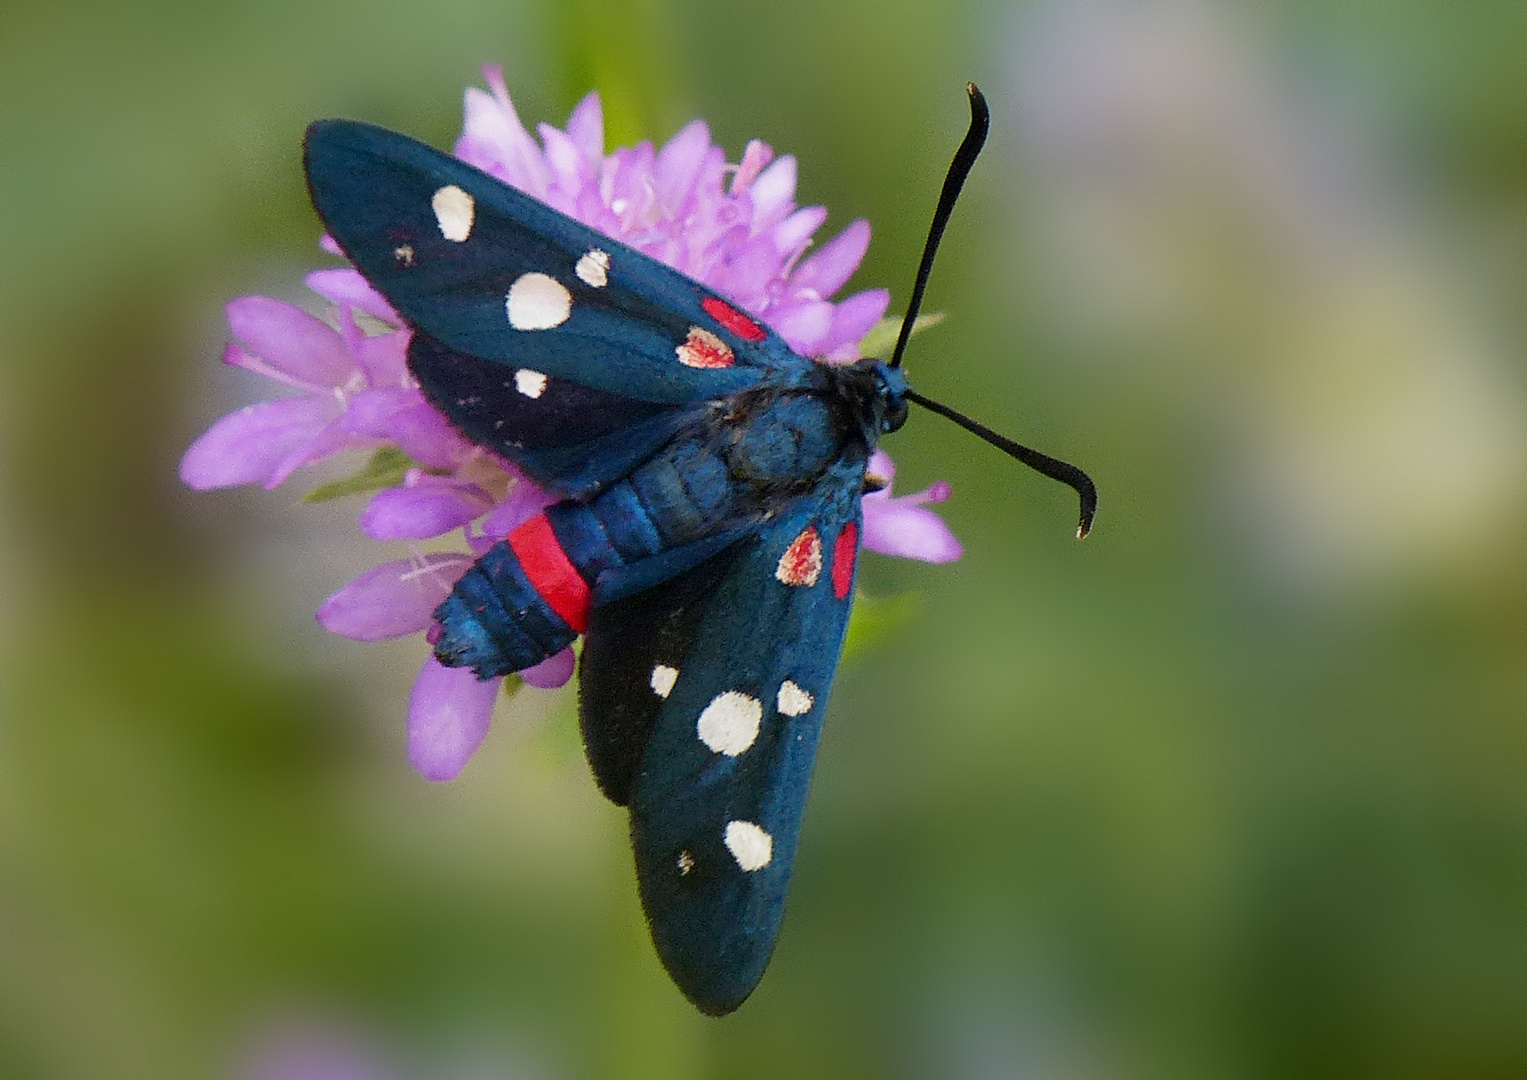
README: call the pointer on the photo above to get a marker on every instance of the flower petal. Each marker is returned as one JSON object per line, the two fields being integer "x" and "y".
{"x": 427, "y": 436}
{"x": 328, "y": 442}
{"x": 248, "y": 446}
{"x": 427, "y": 506}
{"x": 851, "y": 320}
{"x": 749, "y": 269}
{"x": 826, "y": 271}
{"x": 881, "y": 465}
{"x": 586, "y": 128}
{"x": 394, "y": 599}
{"x": 448, "y": 716}
{"x": 756, "y": 155}
{"x": 900, "y": 527}
{"x": 791, "y": 234}
{"x": 384, "y": 358}
{"x": 368, "y": 414}
{"x": 802, "y": 325}
{"x": 551, "y": 672}
{"x": 344, "y": 287}
{"x": 678, "y": 165}
{"x": 523, "y": 502}
{"x": 493, "y": 139}
{"x": 570, "y": 171}
{"x": 773, "y": 193}
{"x": 290, "y": 340}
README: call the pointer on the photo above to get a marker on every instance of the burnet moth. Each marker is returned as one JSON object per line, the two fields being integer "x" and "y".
{"x": 707, "y": 537}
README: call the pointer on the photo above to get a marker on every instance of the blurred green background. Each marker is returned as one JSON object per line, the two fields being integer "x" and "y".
{"x": 1237, "y": 788}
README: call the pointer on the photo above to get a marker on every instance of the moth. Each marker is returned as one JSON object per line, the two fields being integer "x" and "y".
{"x": 707, "y": 538}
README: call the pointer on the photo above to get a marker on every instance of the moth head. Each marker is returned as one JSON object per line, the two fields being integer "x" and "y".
{"x": 890, "y": 405}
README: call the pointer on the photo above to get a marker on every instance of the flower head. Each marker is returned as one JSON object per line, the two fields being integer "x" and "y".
{"x": 735, "y": 228}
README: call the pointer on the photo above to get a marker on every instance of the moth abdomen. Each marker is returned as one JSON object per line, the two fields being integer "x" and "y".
{"x": 516, "y": 606}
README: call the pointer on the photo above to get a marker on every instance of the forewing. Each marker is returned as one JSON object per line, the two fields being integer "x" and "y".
{"x": 716, "y": 807}
{"x": 492, "y": 272}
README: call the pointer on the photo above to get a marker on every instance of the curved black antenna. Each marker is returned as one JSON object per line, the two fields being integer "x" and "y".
{"x": 1054, "y": 468}
{"x": 959, "y": 168}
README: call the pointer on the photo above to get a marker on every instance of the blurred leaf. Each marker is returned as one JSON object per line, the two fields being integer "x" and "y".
{"x": 387, "y": 468}
{"x": 882, "y": 337}
{"x": 875, "y": 618}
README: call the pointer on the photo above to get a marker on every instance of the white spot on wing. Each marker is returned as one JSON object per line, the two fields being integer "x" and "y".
{"x": 530, "y": 383}
{"x": 749, "y": 845}
{"x": 663, "y": 678}
{"x": 793, "y": 701}
{"x": 538, "y": 302}
{"x": 594, "y": 268}
{"x": 686, "y": 863}
{"x": 454, "y": 212}
{"x": 729, "y": 724}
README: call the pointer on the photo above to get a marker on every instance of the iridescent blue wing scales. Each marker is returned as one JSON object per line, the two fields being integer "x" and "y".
{"x": 493, "y": 273}
{"x": 717, "y": 803}
{"x": 630, "y": 645}
{"x": 567, "y": 437}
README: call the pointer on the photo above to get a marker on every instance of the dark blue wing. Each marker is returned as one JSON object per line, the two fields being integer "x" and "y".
{"x": 567, "y": 437}
{"x": 716, "y": 806}
{"x": 491, "y": 272}
{"x": 627, "y": 640}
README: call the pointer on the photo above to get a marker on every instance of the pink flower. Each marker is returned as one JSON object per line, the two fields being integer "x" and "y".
{"x": 736, "y": 228}
{"x": 355, "y": 392}
{"x": 901, "y": 526}
{"x": 745, "y": 238}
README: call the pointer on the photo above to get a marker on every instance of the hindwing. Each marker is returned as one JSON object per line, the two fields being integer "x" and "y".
{"x": 717, "y": 802}
{"x": 570, "y": 438}
{"x": 632, "y": 653}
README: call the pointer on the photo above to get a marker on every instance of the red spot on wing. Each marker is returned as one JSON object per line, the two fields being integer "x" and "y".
{"x": 843, "y": 551}
{"x": 733, "y": 320}
{"x": 802, "y": 561}
{"x": 552, "y": 574}
{"x": 703, "y": 349}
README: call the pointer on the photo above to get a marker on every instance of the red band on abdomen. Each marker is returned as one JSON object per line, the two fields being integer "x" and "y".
{"x": 552, "y": 574}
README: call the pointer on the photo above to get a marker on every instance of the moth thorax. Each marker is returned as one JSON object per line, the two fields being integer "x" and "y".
{"x": 787, "y": 439}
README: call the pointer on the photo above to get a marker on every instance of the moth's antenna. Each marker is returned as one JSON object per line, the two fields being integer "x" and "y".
{"x": 959, "y": 168}
{"x": 1054, "y": 468}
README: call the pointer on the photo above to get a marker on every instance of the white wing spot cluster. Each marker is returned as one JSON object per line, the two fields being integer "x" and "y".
{"x": 455, "y": 211}
{"x": 749, "y": 845}
{"x": 729, "y": 724}
{"x": 530, "y": 383}
{"x": 538, "y": 302}
{"x": 663, "y": 678}
{"x": 686, "y": 863}
{"x": 792, "y": 700}
{"x": 594, "y": 268}
{"x": 404, "y": 254}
